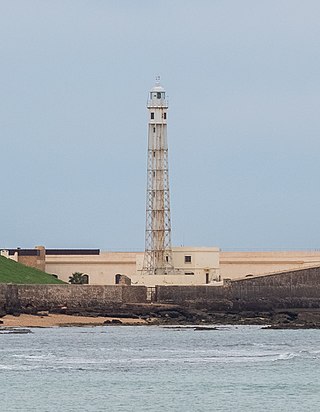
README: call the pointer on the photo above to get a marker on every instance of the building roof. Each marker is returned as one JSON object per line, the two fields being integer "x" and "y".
{"x": 36, "y": 252}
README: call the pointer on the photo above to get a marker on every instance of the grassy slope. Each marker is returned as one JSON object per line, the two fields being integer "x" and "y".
{"x": 13, "y": 272}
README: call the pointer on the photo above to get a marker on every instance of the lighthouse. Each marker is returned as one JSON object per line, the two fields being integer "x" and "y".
{"x": 158, "y": 253}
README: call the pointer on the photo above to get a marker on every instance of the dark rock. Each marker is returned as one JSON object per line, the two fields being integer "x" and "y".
{"x": 144, "y": 317}
{"x": 122, "y": 315}
{"x": 201, "y": 328}
{"x": 116, "y": 322}
{"x": 173, "y": 314}
{"x": 17, "y": 331}
{"x": 290, "y": 315}
{"x": 30, "y": 310}
{"x": 293, "y": 326}
{"x": 248, "y": 314}
{"x": 112, "y": 322}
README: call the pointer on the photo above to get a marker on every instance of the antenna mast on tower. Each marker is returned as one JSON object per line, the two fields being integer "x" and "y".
{"x": 158, "y": 253}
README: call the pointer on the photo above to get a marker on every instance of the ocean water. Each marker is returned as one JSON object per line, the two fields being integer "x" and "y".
{"x": 153, "y": 368}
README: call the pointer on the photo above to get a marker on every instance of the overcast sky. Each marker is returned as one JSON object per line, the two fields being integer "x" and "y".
{"x": 243, "y": 127}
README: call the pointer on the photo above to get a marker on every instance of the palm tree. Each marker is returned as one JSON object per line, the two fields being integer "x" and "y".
{"x": 79, "y": 278}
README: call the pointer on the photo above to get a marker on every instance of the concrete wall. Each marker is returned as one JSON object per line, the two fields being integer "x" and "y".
{"x": 101, "y": 269}
{"x": 32, "y": 261}
{"x": 240, "y": 264}
{"x": 34, "y": 258}
{"x": 153, "y": 280}
{"x": 292, "y": 289}
{"x": 3, "y": 297}
{"x": 36, "y": 261}
{"x": 292, "y": 285}
{"x": 204, "y": 260}
{"x": 213, "y": 297}
{"x": 84, "y": 297}
{"x": 204, "y": 266}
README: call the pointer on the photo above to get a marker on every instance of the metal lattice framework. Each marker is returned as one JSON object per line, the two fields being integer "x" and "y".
{"x": 158, "y": 254}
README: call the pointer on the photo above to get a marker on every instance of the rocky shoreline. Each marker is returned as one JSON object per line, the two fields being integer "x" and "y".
{"x": 164, "y": 315}
{"x": 279, "y": 319}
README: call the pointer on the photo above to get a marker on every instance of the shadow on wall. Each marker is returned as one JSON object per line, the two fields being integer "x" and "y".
{"x": 122, "y": 280}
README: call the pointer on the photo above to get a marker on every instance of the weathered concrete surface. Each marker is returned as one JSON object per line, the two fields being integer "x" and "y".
{"x": 213, "y": 297}
{"x": 3, "y": 299}
{"x": 292, "y": 289}
{"x": 25, "y": 298}
{"x": 299, "y": 289}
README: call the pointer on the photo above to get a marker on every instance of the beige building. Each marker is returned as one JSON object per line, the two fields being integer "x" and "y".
{"x": 195, "y": 265}
{"x": 243, "y": 264}
{"x": 101, "y": 268}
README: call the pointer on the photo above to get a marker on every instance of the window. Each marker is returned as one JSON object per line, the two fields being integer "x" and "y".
{"x": 164, "y": 115}
{"x": 189, "y": 273}
{"x": 158, "y": 95}
{"x": 152, "y": 115}
{"x": 154, "y": 130}
{"x": 187, "y": 259}
{"x": 167, "y": 258}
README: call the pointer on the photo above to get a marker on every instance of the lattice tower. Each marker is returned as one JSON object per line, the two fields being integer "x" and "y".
{"x": 158, "y": 253}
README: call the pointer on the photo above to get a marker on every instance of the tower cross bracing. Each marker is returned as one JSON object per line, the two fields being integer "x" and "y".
{"x": 158, "y": 253}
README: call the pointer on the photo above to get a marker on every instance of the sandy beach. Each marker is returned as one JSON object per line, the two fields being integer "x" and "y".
{"x": 51, "y": 320}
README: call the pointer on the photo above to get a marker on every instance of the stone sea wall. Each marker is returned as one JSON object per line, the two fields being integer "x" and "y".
{"x": 291, "y": 289}
{"x": 73, "y": 297}
{"x": 213, "y": 297}
{"x": 286, "y": 290}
